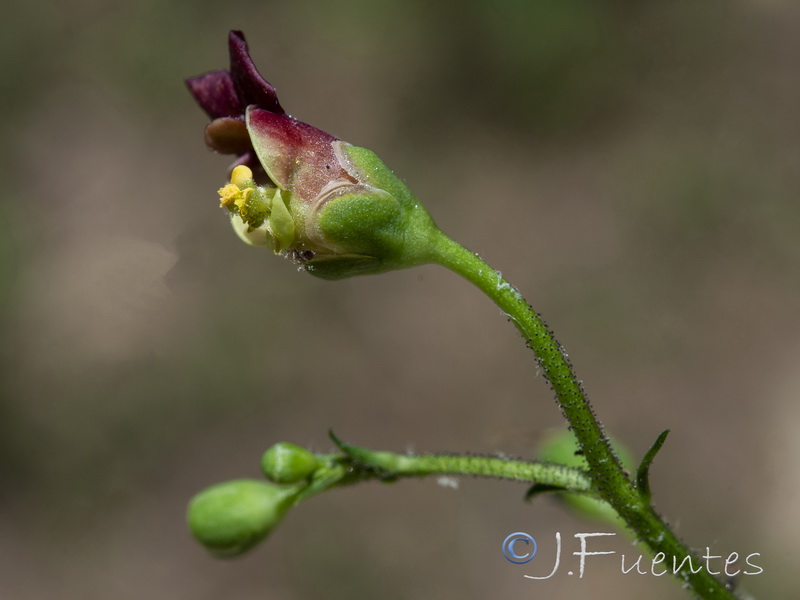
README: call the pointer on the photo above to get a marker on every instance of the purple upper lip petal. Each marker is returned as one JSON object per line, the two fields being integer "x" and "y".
{"x": 228, "y": 93}
{"x": 276, "y": 147}
{"x": 225, "y": 95}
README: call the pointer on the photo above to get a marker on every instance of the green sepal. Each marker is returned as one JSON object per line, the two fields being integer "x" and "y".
{"x": 378, "y": 226}
{"x": 367, "y": 167}
{"x": 369, "y": 223}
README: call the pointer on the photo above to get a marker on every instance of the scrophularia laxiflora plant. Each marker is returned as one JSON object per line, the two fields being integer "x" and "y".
{"x": 338, "y": 211}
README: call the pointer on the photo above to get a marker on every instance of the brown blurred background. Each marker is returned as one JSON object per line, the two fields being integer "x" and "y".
{"x": 633, "y": 167}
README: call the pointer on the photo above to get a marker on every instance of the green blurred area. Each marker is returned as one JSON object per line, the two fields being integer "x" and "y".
{"x": 632, "y": 166}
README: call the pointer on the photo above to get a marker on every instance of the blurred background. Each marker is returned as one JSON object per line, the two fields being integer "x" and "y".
{"x": 633, "y": 167}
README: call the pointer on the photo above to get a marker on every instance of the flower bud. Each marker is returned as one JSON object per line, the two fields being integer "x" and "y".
{"x": 232, "y": 517}
{"x": 329, "y": 206}
{"x": 288, "y": 463}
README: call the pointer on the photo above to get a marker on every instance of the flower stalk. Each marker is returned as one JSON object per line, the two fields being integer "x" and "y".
{"x": 390, "y": 466}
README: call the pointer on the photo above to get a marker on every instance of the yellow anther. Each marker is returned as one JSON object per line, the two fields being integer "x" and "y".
{"x": 245, "y": 199}
{"x": 229, "y": 194}
{"x": 241, "y": 201}
{"x": 241, "y": 175}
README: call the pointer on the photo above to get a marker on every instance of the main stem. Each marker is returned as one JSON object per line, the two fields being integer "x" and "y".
{"x": 608, "y": 476}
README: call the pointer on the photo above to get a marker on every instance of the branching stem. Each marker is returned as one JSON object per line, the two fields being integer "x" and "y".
{"x": 610, "y": 480}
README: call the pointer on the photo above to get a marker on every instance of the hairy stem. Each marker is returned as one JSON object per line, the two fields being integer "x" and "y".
{"x": 610, "y": 480}
{"x": 389, "y": 464}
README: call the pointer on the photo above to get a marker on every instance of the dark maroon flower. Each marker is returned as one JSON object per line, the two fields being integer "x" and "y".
{"x": 332, "y": 207}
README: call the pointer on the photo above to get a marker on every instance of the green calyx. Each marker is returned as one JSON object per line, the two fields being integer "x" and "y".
{"x": 377, "y": 224}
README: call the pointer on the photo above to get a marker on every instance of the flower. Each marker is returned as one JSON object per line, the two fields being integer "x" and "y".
{"x": 332, "y": 207}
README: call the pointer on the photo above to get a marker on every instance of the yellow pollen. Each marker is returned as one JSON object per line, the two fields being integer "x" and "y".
{"x": 241, "y": 175}
{"x": 229, "y": 195}
{"x": 241, "y": 200}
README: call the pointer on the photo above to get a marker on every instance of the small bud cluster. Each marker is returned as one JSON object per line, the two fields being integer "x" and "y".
{"x": 232, "y": 517}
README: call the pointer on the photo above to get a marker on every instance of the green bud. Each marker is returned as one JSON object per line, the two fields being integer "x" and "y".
{"x": 288, "y": 463}
{"x": 232, "y": 517}
{"x": 562, "y": 448}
